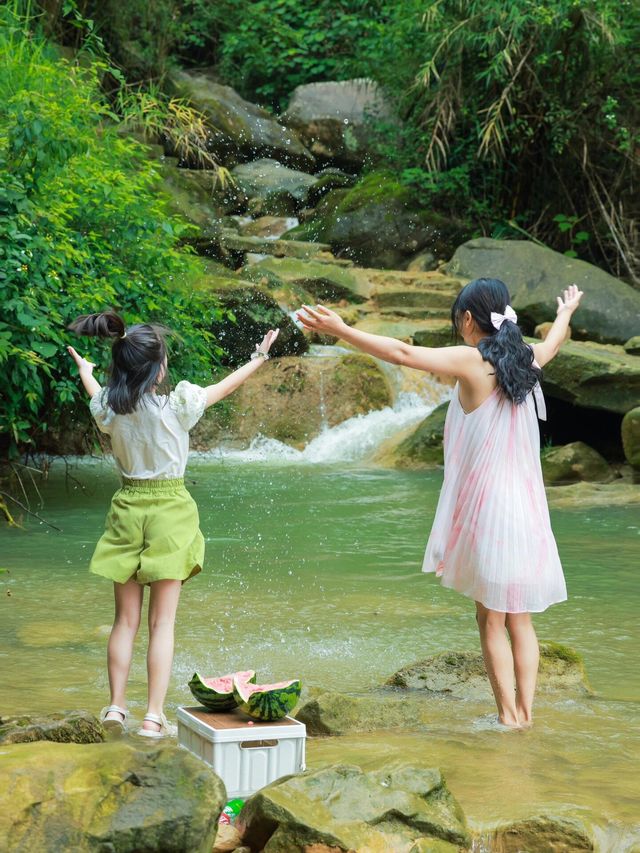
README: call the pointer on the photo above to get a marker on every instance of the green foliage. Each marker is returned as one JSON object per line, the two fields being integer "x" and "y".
{"x": 81, "y": 230}
{"x": 272, "y": 46}
{"x": 530, "y": 108}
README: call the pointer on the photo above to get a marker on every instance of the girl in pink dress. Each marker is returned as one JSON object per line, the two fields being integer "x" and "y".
{"x": 491, "y": 538}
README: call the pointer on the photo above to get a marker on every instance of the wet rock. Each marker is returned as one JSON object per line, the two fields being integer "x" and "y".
{"x": 377, "y": 224}
{"x": 424, "y": 447}
{"x": 594, "y": 376}
{"x": 632, "y": 346}
{"x": 462, "y": 674}
{"x": 240, "y": 245}
{"x": 345, "y": 808}
{"x": 437, "y": 335}
{"x": 333, "y": 119}
{"x": 254, "y": 313}
{"x": 294, "y": 399}
{"x": 192, "y": 195}
{"x": 67, "y": 727}
{"x": 227, "y": 839}
{"x": 327, "y": 180}
{"x": 542, "y": 330}
{"x": 423, "y": 262}
{"x": 111, "y": 796}
{"x": 239, "y": 129}
{"x": 267, "y": 226}
{"x": 339, "y": 714}
{"x": 618, "y": 493}
{"x": 631, "y": 437}
{"x": 543, "y": 834}
{"x": 536, "y": 275}
{"x": 573, "y": 463}
{"x": 272, "y": 188}
{"x": 324, "y": 280}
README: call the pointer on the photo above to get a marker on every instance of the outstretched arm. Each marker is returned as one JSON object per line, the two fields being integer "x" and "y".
{"x": 85, "y": 369}
{"x": 446, "y": 361}
{"x": 234, "y": 380}
{"x": 549, "y": 348}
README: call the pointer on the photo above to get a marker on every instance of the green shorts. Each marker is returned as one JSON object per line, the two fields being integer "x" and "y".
{"x": 151, "y": 533}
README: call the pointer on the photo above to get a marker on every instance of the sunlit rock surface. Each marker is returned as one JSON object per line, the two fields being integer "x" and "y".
{"x": 58, "y": 796}
{"x": 348, "y": 809}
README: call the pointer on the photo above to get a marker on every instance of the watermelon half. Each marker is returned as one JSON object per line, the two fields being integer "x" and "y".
{"x": 216, "y": 694}
{"x": 266, "y": 702}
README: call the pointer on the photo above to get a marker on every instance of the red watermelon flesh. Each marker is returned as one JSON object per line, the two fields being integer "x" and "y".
{"x": 216, "y": 694}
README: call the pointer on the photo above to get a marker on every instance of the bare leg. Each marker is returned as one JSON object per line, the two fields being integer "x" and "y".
{"x": 526, "y": 656}
{"x": 128, "y": 601}
{"x": 163, "y": 603}
{"x": 498, "y": 660}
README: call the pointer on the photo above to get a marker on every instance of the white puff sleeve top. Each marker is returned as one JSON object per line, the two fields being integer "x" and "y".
{"x": 152, "y": 443}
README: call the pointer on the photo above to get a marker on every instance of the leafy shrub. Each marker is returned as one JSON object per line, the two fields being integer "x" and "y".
{"x": 81, "y": 229}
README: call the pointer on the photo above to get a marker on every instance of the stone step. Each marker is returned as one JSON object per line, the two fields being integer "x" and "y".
{"x": 417, "y": 297}
{"x": 402, "y": 328}
{"x": 234, "y": 242}
{"x": 411, "y": 313}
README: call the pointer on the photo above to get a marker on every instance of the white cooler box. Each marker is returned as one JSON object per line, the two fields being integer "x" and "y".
{"x": 246, "y": 754}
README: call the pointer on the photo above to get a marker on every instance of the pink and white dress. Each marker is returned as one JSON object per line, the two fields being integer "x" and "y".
{"x": 491, "y": 538}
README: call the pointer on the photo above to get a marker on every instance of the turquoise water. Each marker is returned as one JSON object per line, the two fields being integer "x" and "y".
{"x": 314, "y": 571}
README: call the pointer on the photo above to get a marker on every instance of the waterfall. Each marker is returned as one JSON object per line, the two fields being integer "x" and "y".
{"x": 415, "y": 395}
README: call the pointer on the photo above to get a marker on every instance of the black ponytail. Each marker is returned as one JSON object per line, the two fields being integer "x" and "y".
{"x": 138, "y": 357}
{"x": 504, "y": 348}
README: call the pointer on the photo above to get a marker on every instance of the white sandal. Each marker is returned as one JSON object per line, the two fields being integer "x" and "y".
{"x": 112, "y": 724}
{"x": 167, "y": 729}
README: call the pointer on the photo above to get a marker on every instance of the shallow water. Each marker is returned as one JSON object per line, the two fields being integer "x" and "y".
{"x": 314, "y": 571}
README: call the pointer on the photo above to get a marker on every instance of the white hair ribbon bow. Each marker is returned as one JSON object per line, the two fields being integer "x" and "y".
{"x": 498, "y": 319}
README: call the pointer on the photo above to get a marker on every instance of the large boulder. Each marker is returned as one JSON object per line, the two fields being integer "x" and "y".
{"x": 631, "y": 437}
{"x": 462, "y": 674}
{"x": 377, "y": 224}
{"x": 190, "y": 193}
{"x": 594, "y": 376}
{"x": 67, "y": 727}
{"x": 239, "y": 129}
{"x": 334, "y": 119}
{"x": 424, "y": 447}
{"x": 348, "y": 809}
{"x": 543, "y": 834}
{"x": 573, "y": 463}
{"x": 324, "y": 280}
{"x": 273, "y": 188}
{"x": 535, "y": 276}
{"x": 339, "y": 714}
{"x": 56, "y": 797}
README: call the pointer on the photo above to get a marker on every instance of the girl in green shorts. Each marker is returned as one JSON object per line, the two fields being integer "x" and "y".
{"x": 152, "y": 534}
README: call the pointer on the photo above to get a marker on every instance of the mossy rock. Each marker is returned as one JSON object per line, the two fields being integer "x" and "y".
{"x": 281, "y": 191}
{"x": 109, "y": 796}
{"x": 632, "y": 346}
{"x": 338, "y": 713}
{"x": 462, "y": 675}
{"x": 631, "y": 437}
{"x": 437, "y": 336}
{"x": 424, "y": 448}
{"x": 323, "y": 280}
{"x": 345, "y": 808}
{"x": 573, "y": 463}
{"x": 239, "y": 130}
{"x": 377, "y": 223}
{"x": 66, "y": 727}
{"x": 544, "y": 834}
{"x": 252, "y": 313}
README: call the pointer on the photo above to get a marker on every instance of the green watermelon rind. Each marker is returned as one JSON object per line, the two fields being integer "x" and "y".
{"x": 270, "y": 705}
{"x": 210, "y": 698}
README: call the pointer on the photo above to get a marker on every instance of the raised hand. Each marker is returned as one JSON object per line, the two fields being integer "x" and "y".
{"x": 84, "y": 365}
{"x": 570, "y": 299}
{"x": 321, "y": 319}
{"x": 268, "y": 341}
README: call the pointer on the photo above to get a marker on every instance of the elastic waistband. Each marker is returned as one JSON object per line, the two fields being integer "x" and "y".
{"x": 153, "y": 485}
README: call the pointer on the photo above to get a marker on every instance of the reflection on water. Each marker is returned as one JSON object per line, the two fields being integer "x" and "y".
{"x": 313, "y": 571}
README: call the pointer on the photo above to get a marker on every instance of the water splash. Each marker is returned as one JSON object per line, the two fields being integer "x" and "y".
{"x": 352, "y": 440}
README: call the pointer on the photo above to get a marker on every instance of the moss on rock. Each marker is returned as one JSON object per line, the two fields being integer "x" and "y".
{"x": 631, "y": 437}
{"x": 573, "y": 463}
{"x": 425, "y": 446}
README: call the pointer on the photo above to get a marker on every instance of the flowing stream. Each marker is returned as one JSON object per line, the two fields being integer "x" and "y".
{"x": 313, "y": 570}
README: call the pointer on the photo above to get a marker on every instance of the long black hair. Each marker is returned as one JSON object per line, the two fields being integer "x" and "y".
{"x": 138, "y": 357}
{"x": 504, "y": 348}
